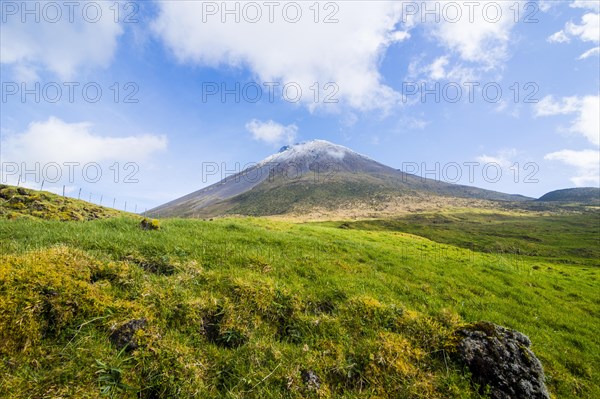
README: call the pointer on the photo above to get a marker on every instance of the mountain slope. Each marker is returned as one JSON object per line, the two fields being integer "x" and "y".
{"x": 582, "y": 194}
{"x": 315, "y": 174}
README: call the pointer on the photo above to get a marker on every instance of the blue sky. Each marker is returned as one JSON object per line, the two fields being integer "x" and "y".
{"x": 162, "y": 117}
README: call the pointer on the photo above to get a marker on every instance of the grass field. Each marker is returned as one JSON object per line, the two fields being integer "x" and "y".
{"x": 245, "y": 307}
{"x": 571, "y": 238}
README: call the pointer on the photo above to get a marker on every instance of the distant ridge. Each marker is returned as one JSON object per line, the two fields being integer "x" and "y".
{"x": 318, "y": 175}
{"x": 581, "y": 194}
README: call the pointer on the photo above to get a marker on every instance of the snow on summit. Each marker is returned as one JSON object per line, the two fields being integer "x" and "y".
{"x": 313, "y": 149}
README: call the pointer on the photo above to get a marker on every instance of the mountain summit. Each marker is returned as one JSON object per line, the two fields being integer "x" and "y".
{"x": 319, "y": 175}
{"x": 320, "y": 156}
{"x": 313, "y": 150}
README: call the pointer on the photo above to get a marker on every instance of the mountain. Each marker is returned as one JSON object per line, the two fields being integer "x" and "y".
{"x": 319, "y": 175}
{"x": 582, "y": 194}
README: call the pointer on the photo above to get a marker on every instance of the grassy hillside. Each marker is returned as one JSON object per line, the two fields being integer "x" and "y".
{"x": 276, "y": 198}
{"x": 255, "y": 308}
{"x": 581, "y": 194}
{"x": 569, "y": 238}
{"x": 18, "y": 202}
{"x": 349, "y": 195}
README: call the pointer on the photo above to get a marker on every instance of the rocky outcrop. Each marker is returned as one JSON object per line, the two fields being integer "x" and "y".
{"x": 501, "y": 359}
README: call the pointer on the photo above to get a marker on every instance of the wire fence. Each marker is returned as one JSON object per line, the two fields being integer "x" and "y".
{"x": 94, "y": 198}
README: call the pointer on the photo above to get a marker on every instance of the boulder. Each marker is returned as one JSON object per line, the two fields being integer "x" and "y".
{"x": 501, "y": 359}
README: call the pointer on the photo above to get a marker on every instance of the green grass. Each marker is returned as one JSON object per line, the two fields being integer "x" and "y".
{"x": 18, "y": 202}
{"x": 571, "y": 238}
{"x": 275, "y": 198}
{"x": 240, "y": 307}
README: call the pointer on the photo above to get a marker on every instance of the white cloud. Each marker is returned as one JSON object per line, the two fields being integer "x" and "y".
{"x": 587, "y": 122}
{"x": 589, "y": 4}
{"x": 415, "y": 123}
{"x": 25, "y": 73}
{"x": 271, "y": 132}
{"x": 436, "y": 69}
{"x": 337, "y": 154}
{"x": 476, "y": 44}
{"x": 347, "y": 52}
{"x": 549, "y": 106}
{"x": 506, "y": 107}
{"x": 60, "y": 47}
{"x": 587, "y": 31}
{"x": 483, "y": 40}
{"x": 585, "y": 163}
{"x": 546, "y": 5}
{"x": 590, "y": 53}
{"x": 504, "y": 158}
{"x": 443, "y": 69}
{"x": 57, "y": 141}
{"x": 502, "y": 106}
{"x": 400, "y": 36}
{"x": 559, "y": 37}
{"x": 586, "y": 108}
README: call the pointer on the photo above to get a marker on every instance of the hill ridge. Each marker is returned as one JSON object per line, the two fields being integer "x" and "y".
{"x": 578, "y": 194}
{"x": 19, "y": 202}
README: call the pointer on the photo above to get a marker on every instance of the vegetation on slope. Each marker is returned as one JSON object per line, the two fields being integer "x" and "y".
{"x": 581, "y": 194}
{"x": 256, "y": 309}
{"x": 276, "y": 199}
{"x": 570, "y": 238}
{"x": 18, "y": 202}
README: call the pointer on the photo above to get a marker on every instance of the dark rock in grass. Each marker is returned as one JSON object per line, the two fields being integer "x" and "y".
{"x": 150, "y": 224}
{"x": 501, "y": 358}
{"x": 38, "y": 206}
{"x": 311, "y": 380}
{"x": 124, "y": 336}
